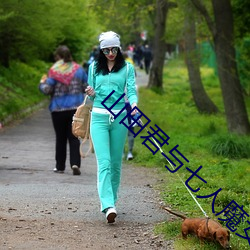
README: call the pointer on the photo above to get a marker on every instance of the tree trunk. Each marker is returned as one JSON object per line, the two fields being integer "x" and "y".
{"x": 235, "y": 109}
{"x": 223, "y": 38}
{"x": 159, "y": 47}
{"x": 201, "y": 99}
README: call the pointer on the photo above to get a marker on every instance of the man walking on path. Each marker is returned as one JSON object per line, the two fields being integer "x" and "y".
{"x": 147, "y": 54}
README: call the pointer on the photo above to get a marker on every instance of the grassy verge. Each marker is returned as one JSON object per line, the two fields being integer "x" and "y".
{"x": 204, "y": 141}
{"x": 19, "y": 88}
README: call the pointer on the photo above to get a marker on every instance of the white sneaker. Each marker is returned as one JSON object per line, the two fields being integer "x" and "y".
{"x": 130, "y": 156}
{"x": 111, "y": 214}
{"x": 76, "y": 170}
{"x": 58, "y": 171}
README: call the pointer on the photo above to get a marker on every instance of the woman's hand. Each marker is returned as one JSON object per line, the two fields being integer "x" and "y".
{"x": 132, "y": 106}
{"x": 90, "y": 91}
{"x": 43, "y": 79}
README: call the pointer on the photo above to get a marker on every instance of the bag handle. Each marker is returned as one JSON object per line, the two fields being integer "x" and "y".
{"x": 91, "y": 148}
{"x": 85, "y": 99}
{"x": 85, "y": 139}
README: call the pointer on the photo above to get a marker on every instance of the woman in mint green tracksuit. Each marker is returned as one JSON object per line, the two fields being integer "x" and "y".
{"x": 109, "y": 72}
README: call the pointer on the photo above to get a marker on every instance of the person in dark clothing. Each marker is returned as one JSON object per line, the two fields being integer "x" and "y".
{"x": 65, "y": 84}
{"x": 147, "y": 54}
{"x": 138, "y": 56}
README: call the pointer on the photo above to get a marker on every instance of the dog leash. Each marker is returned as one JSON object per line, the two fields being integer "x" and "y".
{"x": 205, "y": 214}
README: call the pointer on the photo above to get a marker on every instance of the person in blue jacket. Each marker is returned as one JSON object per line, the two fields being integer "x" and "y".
{"x": 109, "y": 72}
{"x": 65, "y": 83}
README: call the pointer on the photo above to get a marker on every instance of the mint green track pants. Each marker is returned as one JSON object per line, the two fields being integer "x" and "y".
{"x": 108, "y": 139}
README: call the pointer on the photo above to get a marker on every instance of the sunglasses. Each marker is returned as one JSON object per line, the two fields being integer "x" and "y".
{"x": 106, "y": 51}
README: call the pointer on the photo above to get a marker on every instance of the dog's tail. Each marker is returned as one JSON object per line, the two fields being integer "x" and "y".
{"x": 175, "y": 213}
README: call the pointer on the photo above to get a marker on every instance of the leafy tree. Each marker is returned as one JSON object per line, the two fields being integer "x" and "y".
{"x": 221, "y": 28}
{"x": 78, "y": 30}
{"x": 175, "y": 24}
{"x": 28, "y": 33}
{"x": 21, "y": 34}
{"x": 242, "y": 33}
{"x": 241, "y": 18}
{"x": 126, "y": 17}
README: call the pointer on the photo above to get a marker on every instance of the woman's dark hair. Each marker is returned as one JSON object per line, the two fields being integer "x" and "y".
{"x": 63, "y": 52}
{"x": 102, "y": 67}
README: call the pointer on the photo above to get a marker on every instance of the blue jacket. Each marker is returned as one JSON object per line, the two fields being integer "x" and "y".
{"x": 65, "y": 97}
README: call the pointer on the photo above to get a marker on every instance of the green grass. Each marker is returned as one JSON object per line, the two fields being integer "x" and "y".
{"x": 231, "y": 146}
{"x": 19, "y": 87}
{"x": 204, "y": 140}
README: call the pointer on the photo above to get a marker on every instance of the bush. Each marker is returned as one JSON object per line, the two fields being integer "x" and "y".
{"x": 19, "y": 88}
{"x": 231, "y": 146}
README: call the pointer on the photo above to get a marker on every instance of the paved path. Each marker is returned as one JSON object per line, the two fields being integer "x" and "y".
{"x": 26, "y": 163}
{"x": 141, "y": 78}
{"x": 31, "y": 191}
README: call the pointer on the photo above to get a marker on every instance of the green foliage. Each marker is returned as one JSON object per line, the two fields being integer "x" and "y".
{"x": 176, "y": 18}
{"x": 243, "y": 60}
{"x": 231, "y": 146}
{"x": 170, "y": 230}
{"x": 173, "y": 111}
{"x": 19, "y": 87}
{"x": 175, "y": 24}
{"x": 241, "y": 17}
{"x": 128, "y": 18}
{"x": 28, "y": 33}
{"x": 210, "y": 129}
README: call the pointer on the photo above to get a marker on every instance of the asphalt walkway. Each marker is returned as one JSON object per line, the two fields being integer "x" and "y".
{"x": 31, "y": 190}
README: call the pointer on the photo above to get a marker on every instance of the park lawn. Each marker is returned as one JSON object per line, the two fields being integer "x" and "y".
{"x": 197, "y": 135}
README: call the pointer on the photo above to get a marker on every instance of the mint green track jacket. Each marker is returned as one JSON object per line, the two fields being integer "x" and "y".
{"x": 121, "y": 81}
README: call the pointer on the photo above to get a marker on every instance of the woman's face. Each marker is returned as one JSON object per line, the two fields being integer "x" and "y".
{"x": 110, "y": 53}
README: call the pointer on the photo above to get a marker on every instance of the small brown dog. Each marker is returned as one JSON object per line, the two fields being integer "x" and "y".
{"x": 204, "y": 228}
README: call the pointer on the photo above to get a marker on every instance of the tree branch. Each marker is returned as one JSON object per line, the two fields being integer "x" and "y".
{"x": 172, "y": 5}
{"x": 202, "y": 9}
